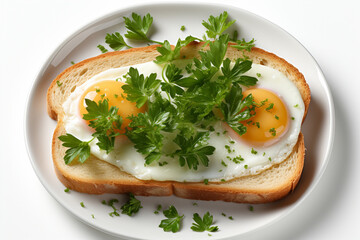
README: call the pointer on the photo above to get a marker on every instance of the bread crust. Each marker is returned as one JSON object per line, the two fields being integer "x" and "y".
{"x": 97, "y": 177}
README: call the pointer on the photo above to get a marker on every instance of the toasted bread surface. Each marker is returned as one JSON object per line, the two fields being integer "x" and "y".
{"x": 96, "y": 176}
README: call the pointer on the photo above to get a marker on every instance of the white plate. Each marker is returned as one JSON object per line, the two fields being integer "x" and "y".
{"x": 168, "y": 18}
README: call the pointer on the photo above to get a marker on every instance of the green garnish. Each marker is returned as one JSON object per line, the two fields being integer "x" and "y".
{"x": 82, "y": 204}
{"x": 223, "y": 214}
{"x": 246, "y": 166}
{"x": 258, "y": 74}
{"x": 269, "y": 159}
{"x": 138, "y": 88}
{"x": 271, "y": 105}
{"x": 182, "y": 28}
{"x": 58, "y": 83}
{"x": 273, "y": 132}
{"x": 276, "y": 117}
{"x": 105, "y": 121}
{"x": 67, "y": 190}
{"x": 93, "y": 216}
{"x": 116, "y": 41}
{"x": 203, "y": 224}
{"x": 231, "y": 218}
{"x": 292, "y": 118}
{"x": 72, "y": 62}
{"x": 296, "y": 105}
{"x": 193, "y": 149}
{"x": 251, "y": 208}
{"x": 253, "y": 151}
{"x": 173, "y": 221}
{"x": 102, "y": 48}
{"x": 206, "y": 181}
{"x": 132, "y": 206}
{"x": 77, "y": 148}
{"x": 223, "y": 163}
{"x": 195, "y": 204}
{"x": 217, "y": 25}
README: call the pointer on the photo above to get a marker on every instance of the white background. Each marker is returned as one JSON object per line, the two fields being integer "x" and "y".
{"x": 30, "y": 32}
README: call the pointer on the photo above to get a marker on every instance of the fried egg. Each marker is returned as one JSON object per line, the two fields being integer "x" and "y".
{"x": 271, "y": 133}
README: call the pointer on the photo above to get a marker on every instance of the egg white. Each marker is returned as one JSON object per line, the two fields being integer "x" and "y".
{"x": 221, "y": 166}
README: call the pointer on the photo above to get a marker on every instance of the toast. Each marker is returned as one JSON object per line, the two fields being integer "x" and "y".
{"x": 95, "y": 176}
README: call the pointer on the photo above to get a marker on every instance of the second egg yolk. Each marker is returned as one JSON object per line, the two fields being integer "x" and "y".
{"x": 270, "y": 121}
{"x": 114, "y": 94}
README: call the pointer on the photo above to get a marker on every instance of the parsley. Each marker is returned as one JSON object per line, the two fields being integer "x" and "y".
{"x": 116, "y": 41}
{"x": 223, "y": 163}
{"x": 203, "y": 224}
{"x": 171, "y": 78}
{"x": 168, "y": 54}
{"x": 206, "y": 181}
{"x": 72, "y": 62}
{"x": 273, "y": 132}
{"x": 292, "y": 118}
{"x": 159, "y": 207}
{"x": 82, "y": 204}
{"x": 217, "y": 25}
{"x": 276, "y": 117}
{"x": 138, "y": 88}
{"x": 253, "y": 151}
{"x": 110, "y": 203}
{"x": 246, "y": 166}
{"x": 232, "y": 109}
{"x": 132, "y": 206}
{"x": 258, "y": 74}
{"x": 105, "y": 121}
{"x": 244, "y": 45}
{"x": 77, "y": 148}
{"x": 231, "y": 218}
{"x": 195, "y": 204}
{"x": 270, "y": 159}
{"x": 102, "y": 48}
{"x": 58, "y": 83}
{"x": 235, "y": 74}
{"x": 193, "y": 149}
{"x": 296, "y": 105}
{"x": 138, "y": 28}
{"x": 182, "y": 28}
{"x": 251, "y": 208}
{"x": 172, "y": 223}
{"x": 67, "y": 190}
{"x": 271, "y": 105}
{"x": 93, "y": 216}
{"x": 238, "y": 159}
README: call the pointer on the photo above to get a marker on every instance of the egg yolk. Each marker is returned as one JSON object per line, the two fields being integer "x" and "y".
{"x": 270, "y": 121}
{"x": 114, "y": 94}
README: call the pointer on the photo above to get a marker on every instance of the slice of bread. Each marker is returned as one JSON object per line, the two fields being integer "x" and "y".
{"x": 95, "y": 176}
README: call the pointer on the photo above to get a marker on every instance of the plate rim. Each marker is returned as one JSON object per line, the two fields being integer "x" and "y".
{"x": 133, "y": 7}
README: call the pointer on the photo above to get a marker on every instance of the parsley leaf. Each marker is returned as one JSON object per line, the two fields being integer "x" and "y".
{"x": 138, "y": 28}
{"x": 138, "y": 88}
{"x": 116, "y": 41}
{"x": 232, "y": 109}
{"x": 77, "y": 148}
{"x": 172, "y": 76}
{"x": 234, "y": 74}
{"x": 132, "y": 206}
{"x": 172, "y": 223}
{"x": 243, "y": 45}
{"x": 105, "y": 121}
{"x": 168, "y": 54}
{"x": 102, "y": 48}
{"x": 192, "y": 149}
{"x": 203, "y": 224}
{"x": 217, "y": 25}
{"x": 146, "y": 132}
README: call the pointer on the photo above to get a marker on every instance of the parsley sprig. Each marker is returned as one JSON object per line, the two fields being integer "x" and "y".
{"x": 172, "y": 221}
{"x": 132, "y": 206}
{"x": 77, "y": 148}
{"x": 203, "y": 224}
{"x": 217, "y": 25}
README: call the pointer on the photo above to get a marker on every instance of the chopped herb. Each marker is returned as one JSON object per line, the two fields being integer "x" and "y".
{"x": 67, "y": 190}
{"x": 203, "y": 224}
{"x": 264, "y": 154}
{"x": 238, "y": 159}
{"x": 253, "y": 151}
{"x": 132, "y": 206}
{"x": 162, "y": 163}
{"x": 292, "y": 118}
{"x": 231, "y": 142}
{"x": 172, "y": 223}
{"x": 217, "y": 133}
{"x": 211, "y": 129}
{"x": 231, "y": 218}
{"x": 251, "y": 208}
{"x": 82, "y": 204}
{"x": 223, "y": 214}
{"x": 209, "y": 235}
{"x": 206, "y": 181}
{"x": 116, "y": 96}
{"x": 272, "y": 131}
{"x": 227, "y": 147}
{"x": 223, "y": 163}
{"x": 246, "y": 166}
{"x": 276, "y": 117}
{"x": 102, "y": 48}
{"x": 194, "y": 204}
{"x": 258, "y": 74}
{"x": 269, "y": 158}
{"x": 257, "y": 124}
{"x": 97, "y": 90}
{"x": 225, "y": 132}
{"x": 223, "y": 180}
{"x": 72, "y": 62}
{"x": 58, "y": 83}
{"x": 182, "y": 28}
{"x": 296, "y": 105}
{"x": 110, "y": 203}
{"x": 271, "y": 105}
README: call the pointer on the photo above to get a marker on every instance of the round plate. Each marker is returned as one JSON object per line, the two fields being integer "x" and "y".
{"x": 318, "y": 128}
